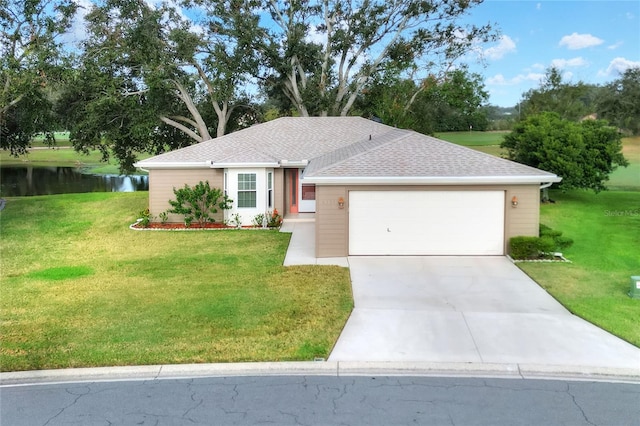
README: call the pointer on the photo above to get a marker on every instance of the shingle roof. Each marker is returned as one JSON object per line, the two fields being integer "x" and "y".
{"x": 341, "y": 148}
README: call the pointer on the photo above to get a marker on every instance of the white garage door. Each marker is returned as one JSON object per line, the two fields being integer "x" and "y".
{"x": 426, "y": 222}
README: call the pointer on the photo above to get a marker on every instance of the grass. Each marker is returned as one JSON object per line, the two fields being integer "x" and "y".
{"x": 64, "y": 157}
{"x": 473, "y": 139}
{"x": 62, "y": 139}
{"x": 628, "y": 178}
{"x": 487, "y": 142}
{"x": 605, "y": 228}
{"x": 81, "y": 289}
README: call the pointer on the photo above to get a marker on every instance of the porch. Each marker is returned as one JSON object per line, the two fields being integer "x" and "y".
{"x": 302, "y": 246}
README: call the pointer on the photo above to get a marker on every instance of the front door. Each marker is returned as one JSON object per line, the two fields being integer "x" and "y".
{"x": 294, "y": 190}
{"x": 302, "y": 196}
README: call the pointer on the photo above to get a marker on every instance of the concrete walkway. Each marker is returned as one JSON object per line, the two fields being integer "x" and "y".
{"x": 302, "y": 247}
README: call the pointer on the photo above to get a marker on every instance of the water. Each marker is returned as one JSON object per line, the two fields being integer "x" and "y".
{"x": 21, "y": 181}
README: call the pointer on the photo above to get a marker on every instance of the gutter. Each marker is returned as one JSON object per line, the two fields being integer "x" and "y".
{"x": 215, "y": 165}
{"x": 172, "y": 165}
{"x": 433, "y": 180}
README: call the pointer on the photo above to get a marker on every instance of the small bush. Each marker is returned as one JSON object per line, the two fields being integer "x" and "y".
{"x": 199, "y": 203}
{"x": 145, "y": 217}
{"x": 274, "y": 220}
{"x": 164, "y": 216}
{"x": 549, "y": 241}
{"x": 258, "y": 220}
{"x": 525, "y": 247}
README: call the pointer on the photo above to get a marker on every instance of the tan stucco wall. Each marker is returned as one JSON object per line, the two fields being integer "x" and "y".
{"x": 162, "y": 182}
{"x": 332, "y": 223}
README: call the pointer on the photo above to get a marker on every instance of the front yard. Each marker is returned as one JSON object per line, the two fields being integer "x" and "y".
{"x": 81, "y": 289}
{"x": 605, "y": 228}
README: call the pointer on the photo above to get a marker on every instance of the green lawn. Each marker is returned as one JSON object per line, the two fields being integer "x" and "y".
{"x": 628, "y": 178}
{"x": 65, "y": 157}
{"x": 605, "y": 228}
{"x": 62, "y": 139}
{"x": 472, "y": 139}
{"x": 81, "y": 289}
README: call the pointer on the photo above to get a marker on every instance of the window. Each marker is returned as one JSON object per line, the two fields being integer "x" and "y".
{"x": 308, "y": 192}
{"x": 246, "y": 189}
{"x": 269, "y": 189}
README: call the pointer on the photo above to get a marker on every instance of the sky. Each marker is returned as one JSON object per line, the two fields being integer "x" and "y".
{"x": 589, "y": 41}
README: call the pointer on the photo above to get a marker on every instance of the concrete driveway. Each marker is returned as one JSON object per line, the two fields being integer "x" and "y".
{"x": 466, "y": 309}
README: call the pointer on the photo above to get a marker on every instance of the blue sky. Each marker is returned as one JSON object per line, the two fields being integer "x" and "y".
{"x": 590, "y": 41}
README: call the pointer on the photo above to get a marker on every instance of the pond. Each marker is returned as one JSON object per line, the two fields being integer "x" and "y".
{"x": 18, "y": 181}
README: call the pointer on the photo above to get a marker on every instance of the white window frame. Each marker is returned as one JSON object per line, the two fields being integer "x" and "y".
{"x": 269, "y": 189}
{"x": 253, "y": 189}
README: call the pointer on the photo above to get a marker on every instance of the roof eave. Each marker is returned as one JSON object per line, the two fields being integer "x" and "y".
{"x": 433, "y": 180}
{"x": 256, "y": 165}
{"x": 172, "y": 165}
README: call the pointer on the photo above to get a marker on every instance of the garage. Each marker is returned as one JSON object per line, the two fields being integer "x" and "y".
{"x": 426, "y": 222}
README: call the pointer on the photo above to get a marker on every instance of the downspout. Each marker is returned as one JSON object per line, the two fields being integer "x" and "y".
{"x": 545, "y": 193}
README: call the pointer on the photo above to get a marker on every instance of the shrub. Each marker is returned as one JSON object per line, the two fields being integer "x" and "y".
{"x": 199, "y": 203}
{"x": 524, "y": 247}
{"x": 164, "y": 216}
{"x": 559, "y": 242}
{"x": 145, "y": 217}
{"x": 258, "y": 220}
{"x": 236, "y": 220}
{"x": 549, "y": 241}
{"x": 274, "y": 220}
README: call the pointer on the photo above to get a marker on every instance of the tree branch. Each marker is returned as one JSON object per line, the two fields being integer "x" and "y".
{"x": 182, "y": 127}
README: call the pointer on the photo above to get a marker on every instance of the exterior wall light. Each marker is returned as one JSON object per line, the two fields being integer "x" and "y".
{"x": 514, "y": 201}
{"x": 341, "y": 203}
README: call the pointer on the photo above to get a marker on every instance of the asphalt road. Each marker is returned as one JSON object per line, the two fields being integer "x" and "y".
{"x": 320, "y": 400}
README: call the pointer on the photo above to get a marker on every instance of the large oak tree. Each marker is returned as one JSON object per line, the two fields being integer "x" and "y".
{"x": 32, "y": 65}
{"x": 324, "y": 53}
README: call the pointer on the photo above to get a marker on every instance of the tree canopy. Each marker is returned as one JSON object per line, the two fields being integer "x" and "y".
{"x": 619, "y": 102}
{"x": 32, "y": 64}
{"x": 147, "y": 81}
{"x": 569, "y": 101}
{"x": 582, "y": 153}
{"x": 453, "y": 102}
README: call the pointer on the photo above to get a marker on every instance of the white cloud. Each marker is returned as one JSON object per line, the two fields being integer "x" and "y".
{"x": 569, "y": 63}
{"x": 577, "y": 41}
{"x": 500, "y": 80}
{"x": 615, "y": 45}
{"x": 618, "y": 66}
{"x": 505, "y": 45}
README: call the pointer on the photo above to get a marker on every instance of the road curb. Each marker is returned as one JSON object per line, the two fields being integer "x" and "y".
{"x": 329, "y": 368}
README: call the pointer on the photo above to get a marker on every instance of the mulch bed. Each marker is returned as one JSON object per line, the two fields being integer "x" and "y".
{"x": 157, "y": 226}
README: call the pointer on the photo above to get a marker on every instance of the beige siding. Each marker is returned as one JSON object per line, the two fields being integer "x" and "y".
{"x": 332, "y": 236}
{"x": 162, "y": 183}
{"x": 524, "y": 219}
{"x": 332, "y": 223}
